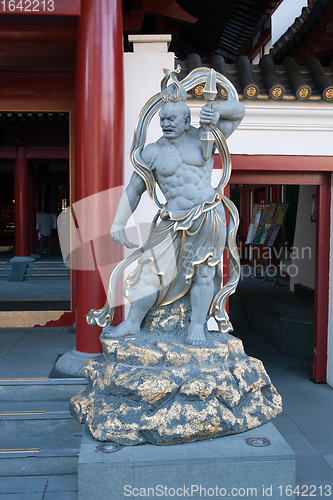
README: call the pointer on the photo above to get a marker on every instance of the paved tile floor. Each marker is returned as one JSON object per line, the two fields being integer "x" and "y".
{"x": 306, "y": 421}
{"x": 307, "y": 418}
{"x": 45, "y": 290}
{"x": 39, "y": 488}
{"x": 32, "y": 352}
{"x": 35, "y": 290}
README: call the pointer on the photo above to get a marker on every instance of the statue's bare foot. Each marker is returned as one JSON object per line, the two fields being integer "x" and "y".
{"x": 195, "y": 335}
{"x": 125, "y": 328}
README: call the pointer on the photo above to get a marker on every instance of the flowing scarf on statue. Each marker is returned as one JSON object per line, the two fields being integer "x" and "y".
{"x": 198, "y": 76}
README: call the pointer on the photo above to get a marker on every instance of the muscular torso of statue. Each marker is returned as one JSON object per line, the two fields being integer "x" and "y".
{"x": 178, "y": 164}
{"x": 182, "y": 174}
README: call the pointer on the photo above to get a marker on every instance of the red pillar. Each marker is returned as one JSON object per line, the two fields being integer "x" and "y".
{"x": 22, "y": 222}
{"x": 32, "y": 211}
{"x": 319, "y": 363}
{"x": 99, "y": 136}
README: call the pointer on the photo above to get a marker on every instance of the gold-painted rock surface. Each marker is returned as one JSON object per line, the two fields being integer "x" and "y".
{"x": 156, "y": 389}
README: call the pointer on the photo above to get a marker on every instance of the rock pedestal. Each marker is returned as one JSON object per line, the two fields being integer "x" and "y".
{"x": 153, "y": 388}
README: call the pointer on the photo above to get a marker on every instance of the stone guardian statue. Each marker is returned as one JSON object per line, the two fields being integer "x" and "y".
{"x": 164, "y": 378}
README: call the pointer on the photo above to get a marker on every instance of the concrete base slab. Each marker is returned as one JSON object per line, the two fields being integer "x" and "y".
{"x": 17, "y": 272}
{"x": 36, "y": 256}
{"x": 23, "y": 259}
{"x": 73, "y": 362}
{"x": 215, "y": 468}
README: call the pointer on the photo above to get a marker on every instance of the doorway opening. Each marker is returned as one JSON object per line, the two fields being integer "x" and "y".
{"x": 310, "y": 266}
{"x": 52, "y": 192}
{"x": 276, "y": 292}
{"x": 34, "y": 155}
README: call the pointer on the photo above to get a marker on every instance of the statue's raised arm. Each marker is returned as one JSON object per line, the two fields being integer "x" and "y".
{"x": 225, "y": 115}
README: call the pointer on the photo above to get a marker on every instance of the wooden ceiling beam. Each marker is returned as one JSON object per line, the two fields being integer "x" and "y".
{"x": 326, "y": 37}
{"x": 37, "y": 153}
{"x": 289, "y": 178}
{"x": 132, "y": 21}
{"x": 169, "y": 9}
{"x": 32, "y": 54}
{"x": 263, "y": 39}
{"x": 35, "y": 84}
{"x": 280, "y": 163}
{"x": 239, "y": 26}
{"x": 236, "y": 40}
{"x": 322, "y": 47}
{"x": 55, "y": 33}
{"x": 166, "y": 8}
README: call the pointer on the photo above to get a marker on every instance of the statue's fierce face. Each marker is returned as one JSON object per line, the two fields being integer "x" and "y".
{"x": 174, "y": 119}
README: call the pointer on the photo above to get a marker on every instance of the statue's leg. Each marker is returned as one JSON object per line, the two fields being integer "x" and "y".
{"x": 201, "y": 293}
{"x": 131, "y": 325}
{"x": 143, "y": 296}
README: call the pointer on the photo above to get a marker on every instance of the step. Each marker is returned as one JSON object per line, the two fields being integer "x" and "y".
{"x": 5, "y": 271}
{"x": 47, "y": 268}
{"x": 63, "y": 270}
{"x": 47, "y": 272}
{"x": 35, "y": 305}
{"x": 34, "y": 266}
{"x": 40, "y": 389}
{"x": 38, "y": 436}
{"x": 38, "y": 456}
{"x": 46, "y": 277}
{"x": 37, "y": 419}
{"x": 44, "y": 263}
{"x": 40, "y": 272}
